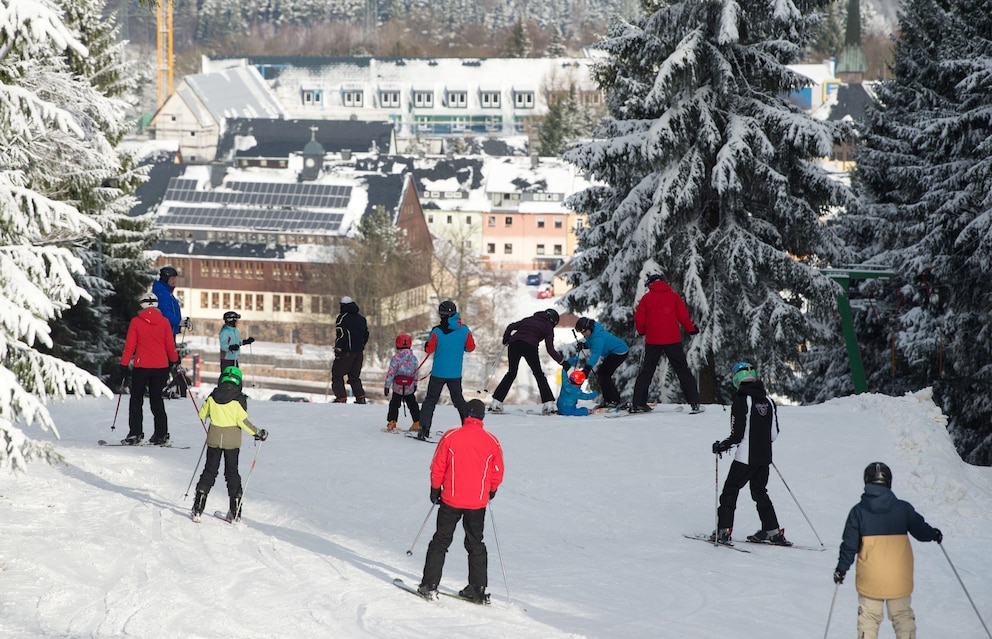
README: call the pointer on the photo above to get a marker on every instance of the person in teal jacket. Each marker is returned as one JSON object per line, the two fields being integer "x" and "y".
{"x": 448, "y": 341}
{"x": 230, "y": 340}
{"x": 607, "y": 350}
{"x": 571, "y": 392}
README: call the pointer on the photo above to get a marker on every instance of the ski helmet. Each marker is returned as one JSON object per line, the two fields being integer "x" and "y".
{"x": 742, "y": 372}
{"x": 346, "y": 300}
{"x": 552, "y": 315}
{"x": 231, "y": 374}
{"x": 584, "y": 324}
{"x": 652, "y": 278}
{"x": 231, "y": 317}
{"x": 577, "y": 378}
{"x": 475, "y": 408}
{"x": 878, "y": 473}
{"x": 148, "y": 300}
{"x": 166, "y": 272}
{"x": 446, "y": 309}
{"x": 403, "y": 340}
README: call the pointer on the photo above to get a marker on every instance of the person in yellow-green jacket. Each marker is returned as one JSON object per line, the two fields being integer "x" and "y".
{"x": 227, "y": 409}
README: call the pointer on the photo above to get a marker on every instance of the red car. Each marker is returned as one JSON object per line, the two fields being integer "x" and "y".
{"x": 546, "y": 294}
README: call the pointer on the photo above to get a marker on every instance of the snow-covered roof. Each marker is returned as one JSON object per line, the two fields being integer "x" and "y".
{"x": 238, "y": 92}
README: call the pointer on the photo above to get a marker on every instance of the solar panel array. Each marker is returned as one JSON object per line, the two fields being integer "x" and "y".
{"x": 271, "y": 194}
{"x": 261, "y": 219}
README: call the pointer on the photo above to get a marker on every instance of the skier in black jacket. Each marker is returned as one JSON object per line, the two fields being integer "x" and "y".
{"x": 349, "y": 352}
{"x": 753, "y": 428}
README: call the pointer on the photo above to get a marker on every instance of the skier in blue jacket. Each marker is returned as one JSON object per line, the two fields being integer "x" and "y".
{"x": 448, "y": 341}
{"x": 571, "y": 392}
{"x": 230, "y": 340}
{"x": 611, "y": 349}
{"x": 167, "y": 303}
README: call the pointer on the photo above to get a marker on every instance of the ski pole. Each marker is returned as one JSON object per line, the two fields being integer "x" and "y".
{"x": 244, "y": 486}
{"x": 967, "y": 594}
{"x": 120, "y": 394}
{"x": 716, "y": 499}
{"x": 492, "y": 370}
{"x": 499, "y": 552}
{"x": 831, "y": 613}
{"x": 797, "y": 503}
{"x": 409, "y": 553}
{"x": 251, "y": 356}
{"x": 196, "y": 468}
{"x": 197, "y": 409}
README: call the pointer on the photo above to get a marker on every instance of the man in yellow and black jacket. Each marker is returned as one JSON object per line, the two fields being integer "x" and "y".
{"x": 227, "y": 409}
{"x": 877, "y": 532}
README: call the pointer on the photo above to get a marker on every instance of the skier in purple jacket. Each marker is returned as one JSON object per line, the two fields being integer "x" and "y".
{"x": 521, "y": 339}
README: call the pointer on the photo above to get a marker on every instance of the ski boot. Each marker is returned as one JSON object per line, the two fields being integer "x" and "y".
{"x": 132, "y": 440}
{"x": 722, "y": 536}
{"x": 414, "y": 427}
{"x": 475, "y": 594}
{"x": 496, "y": 407}
{"x": 160, "y": 440}
{"x": 199, "y": 503}
{"x": 427, "y": 592}
{"x": 234, "y": 513}
{"x": 391, "y": 426}
{"x": 696, "y": 409}
{"x": 639, "y": 408}
{"x": 549, "y": 408}
{"x": 773, "y": 537}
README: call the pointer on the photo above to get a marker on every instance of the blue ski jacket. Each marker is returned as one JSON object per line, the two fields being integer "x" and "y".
{"x": 449, "y": 342}
{"x": 602, "y": 343}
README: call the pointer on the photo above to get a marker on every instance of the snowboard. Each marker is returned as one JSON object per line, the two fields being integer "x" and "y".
{"x": 706, "y": 538}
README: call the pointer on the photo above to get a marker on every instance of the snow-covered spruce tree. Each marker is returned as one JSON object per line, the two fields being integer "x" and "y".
{"x": 924, "y": 186}
{"x": 709, "y": 177}
{"x": 91, "y": 333}
{"x": 44, "y": 131}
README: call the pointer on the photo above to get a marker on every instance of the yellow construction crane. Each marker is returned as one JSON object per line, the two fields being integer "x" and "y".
{"x": 164, "y": 23}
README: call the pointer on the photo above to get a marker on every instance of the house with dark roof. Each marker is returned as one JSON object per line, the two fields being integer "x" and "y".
{"x": 248, "y": 142}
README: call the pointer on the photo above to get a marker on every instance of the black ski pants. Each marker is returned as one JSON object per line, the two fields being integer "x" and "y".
{"x": 757, "y": 476}
{"x": 514, "y": 351}
{"x": 473, "y": 521}
{"x": 676, "y": 357}
{"x": 434, "y": 386}
{"x": 604, "y": 375}
{"x": 347, "y": 364}
{"x": 210, "y": 469}
{"x": 152, "y": 379}
{"x": 394, "y": 407}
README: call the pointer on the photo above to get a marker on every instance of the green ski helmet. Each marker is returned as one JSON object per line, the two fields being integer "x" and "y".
{"x": 742, "y": 372}
{"x": 231, "y": 374}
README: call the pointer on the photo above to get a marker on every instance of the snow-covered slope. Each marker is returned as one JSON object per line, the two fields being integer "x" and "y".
{"x": 589, "y": 523}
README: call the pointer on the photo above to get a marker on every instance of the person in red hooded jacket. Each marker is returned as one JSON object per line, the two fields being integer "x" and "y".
{"x": 151, "y": 342}
{"x": 463, "y": 491}
{"x": 659, "y": 317}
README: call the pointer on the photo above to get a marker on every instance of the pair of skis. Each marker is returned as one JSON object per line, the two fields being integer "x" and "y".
{"x": 731, "y": 546}
{"x": 402, "y": 585}
{"x": 104, "y": 442}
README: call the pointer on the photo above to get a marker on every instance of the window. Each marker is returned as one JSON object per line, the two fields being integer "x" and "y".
{"x": 259, "y": 302}
{"x": 491, "y": 220}
{"x": 540, "y": 222}
{"x": 389, "y": 99}
{"x": 508, "y": 221}
{"x": 540, "y": 249}
{"x": 430, "y": 219}
{"x": 275, "y": 303}
{"x": 287, "y": 303}
{"x": 523, "y": 99}
{"x": 423, "y": 99}
{"x": 489, "y": 99}
{"x": 468, "y": 220}
{"x": 352, "y": 98}
{"x": 508, "y": 249}
{"x": 298, "y": 303}
{"x": 237, "y": 301}
{"x": 491, "y": 249}
{"x": 204, "y": 299}
{"x": 457, "y": 99}
{"x": 558, "y": 223}
{"x": 558, "y": 250}
{"x": 450, "y": 219}
{"x": 215, "y": 300}
{"x": 497, "y": 199}
{"x": 249, "y": 298}
{"x": 227, "y": 300}
{"x": 312, "y": 97}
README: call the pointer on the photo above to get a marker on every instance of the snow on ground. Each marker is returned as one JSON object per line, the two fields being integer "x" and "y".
{"x": 589, "y": 524}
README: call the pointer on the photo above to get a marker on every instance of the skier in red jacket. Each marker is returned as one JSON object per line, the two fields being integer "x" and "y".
{"x": 658, "y": 317}
{"x": 463, "y": 491}
{"x": 151, "y": 342}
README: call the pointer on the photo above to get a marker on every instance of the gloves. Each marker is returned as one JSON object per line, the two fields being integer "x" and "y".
{"x": 248, "y": 340}
{"x": 234, "y": 348}
{"x": 385, "y": 392}
{"x": 839, "y": 576}
{"x": 587, "y": 370}
{"x": 565, "y": 366}
{"x": 261, "y": 435}
{"x": 187, "y": 323}
{"x": 435, "y": 495}
{"x": 125, "y": 371}
{"x": 937, "y": 535}
{"x": 580, "y": 346}
{"x": 175, "y": 368}
{"x": 720, "y": 447}
{"x": 492, "y": 495}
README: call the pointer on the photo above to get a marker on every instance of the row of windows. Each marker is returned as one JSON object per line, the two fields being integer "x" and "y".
{"x": 557, "y": 249}
{"x": 422, "y": 98}
{"x": 540, "y": 222}
{"x": 248, "y": 236}
{"x": 318, "y": 304}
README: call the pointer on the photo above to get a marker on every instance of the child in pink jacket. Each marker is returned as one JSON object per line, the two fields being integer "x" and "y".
{"x": 402, "y": 376}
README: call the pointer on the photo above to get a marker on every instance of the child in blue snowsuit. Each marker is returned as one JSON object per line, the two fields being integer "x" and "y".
{"x": 571, "y": 392}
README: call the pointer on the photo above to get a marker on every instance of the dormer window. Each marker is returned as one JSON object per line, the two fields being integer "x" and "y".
{"x": 523, "y": 99}
{"x": 489, "y": 99}
{"x": 457, "y": 99}
{"x": 352, "y": 98}
{"x": 423, "y": 98}
{"x": 389, "y": 99}
{"x": 312, "y": 97}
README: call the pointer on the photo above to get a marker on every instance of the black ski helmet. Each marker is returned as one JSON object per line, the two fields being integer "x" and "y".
{"x": 652, "y": 278}
{"x": 446, "y": 309}
{"x": 231, "y": 317}
{"x": 166, "y": 272}
{"x": 584, "y": 324}
{"x": 878, "y": 473}
{"x": 552, "y": 315}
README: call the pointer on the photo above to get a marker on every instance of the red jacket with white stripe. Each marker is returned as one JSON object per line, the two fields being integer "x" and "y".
{"x": 467, "y": 465}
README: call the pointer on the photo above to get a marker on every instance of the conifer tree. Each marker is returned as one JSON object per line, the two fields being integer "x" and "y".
{"x": 924, "y": 209}
{"x": 709, "y": 177}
